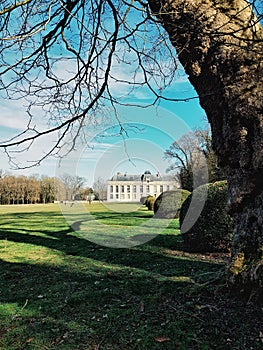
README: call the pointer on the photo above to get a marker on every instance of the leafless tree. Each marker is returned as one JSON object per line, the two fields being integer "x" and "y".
{"x": 193, "y": 160}
{"x": 71, "y": 186}
{"x": 100, "y": 188}
{"x": 64, "y": 59}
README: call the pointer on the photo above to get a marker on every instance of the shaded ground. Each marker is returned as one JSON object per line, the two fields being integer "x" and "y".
{"x": 60, "y": 291}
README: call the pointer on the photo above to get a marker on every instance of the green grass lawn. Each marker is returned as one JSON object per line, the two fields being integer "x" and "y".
{"x": 60, "y": 290}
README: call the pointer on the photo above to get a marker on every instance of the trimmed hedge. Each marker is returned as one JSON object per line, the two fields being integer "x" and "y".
{"x": 168, "y": 204}
{"x": 212, "y": 232}
{"x": 143, "y": 200}
{"x": 149, "y": 202}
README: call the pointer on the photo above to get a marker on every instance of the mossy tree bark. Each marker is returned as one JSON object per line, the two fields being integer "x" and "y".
{"x": 219, "y": 43}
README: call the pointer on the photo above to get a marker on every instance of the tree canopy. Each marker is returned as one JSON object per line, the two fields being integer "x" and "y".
{"x": 67, "y": 60}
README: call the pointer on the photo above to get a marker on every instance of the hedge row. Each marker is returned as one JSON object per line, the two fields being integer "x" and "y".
{"x": 212, "y": 232}
{"x": 168, "y": 204}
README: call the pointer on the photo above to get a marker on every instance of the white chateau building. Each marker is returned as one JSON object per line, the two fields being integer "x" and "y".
{"x": 130, "y": 188}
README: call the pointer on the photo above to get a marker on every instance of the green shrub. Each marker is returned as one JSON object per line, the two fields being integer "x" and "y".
{"x": 149, "y": 202}
{"x": 212, "y": 232}
{"x": 143, "y": 200}
{"x": 168, "y": 204}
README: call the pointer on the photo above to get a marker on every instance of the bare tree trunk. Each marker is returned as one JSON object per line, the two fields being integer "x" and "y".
{"x": 220, "y": 46}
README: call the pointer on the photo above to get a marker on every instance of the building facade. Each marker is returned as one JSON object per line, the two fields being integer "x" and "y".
{"x": 130, "y": 188}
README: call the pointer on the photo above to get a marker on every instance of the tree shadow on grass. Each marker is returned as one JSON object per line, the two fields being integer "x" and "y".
{"x": 118, "y": 283}
{"x": 110, "y": 297}
{"x": 140, "y": 257}
{"x": 49, "y": 307}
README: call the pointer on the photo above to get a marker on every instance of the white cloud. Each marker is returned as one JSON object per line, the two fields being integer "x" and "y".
{"x": 13, "y": 115}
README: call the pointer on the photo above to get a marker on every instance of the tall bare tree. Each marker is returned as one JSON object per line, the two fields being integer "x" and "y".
{"x": 193, "y": 160}
{"x": 100, "y": 189}
{"x": 72, "y": 184}
{"x": 59, "y": 57}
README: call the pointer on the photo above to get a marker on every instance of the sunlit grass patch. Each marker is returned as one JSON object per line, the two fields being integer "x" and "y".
{"x": 28, "y": 253}
{"x": 108, "y": 225}
{"x": 61, "y": 291}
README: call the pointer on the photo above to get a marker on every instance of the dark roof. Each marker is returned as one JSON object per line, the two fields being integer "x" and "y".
{"x": 127, "y": 177}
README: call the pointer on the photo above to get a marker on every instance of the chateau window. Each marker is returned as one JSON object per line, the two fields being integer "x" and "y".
{"x": 161, "y": 188}
{"x": 117, "y": 189}
{"x": 134, "y": 188}
{"x": 111, "y": 188}
{"x": 141, "y": 188}
{"x": 122, "y": 188}
{"x": 128, "y": 188}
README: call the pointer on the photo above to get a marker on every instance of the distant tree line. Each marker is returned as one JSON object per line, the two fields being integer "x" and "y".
{"x": 26, "y": 190}
{"x": 34, "y": 189}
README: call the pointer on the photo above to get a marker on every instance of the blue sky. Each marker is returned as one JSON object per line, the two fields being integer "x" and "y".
{"x": 148, "y": 133}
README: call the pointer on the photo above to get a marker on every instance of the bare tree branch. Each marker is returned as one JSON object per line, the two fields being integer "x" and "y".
{"x": 64, "y": 59}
